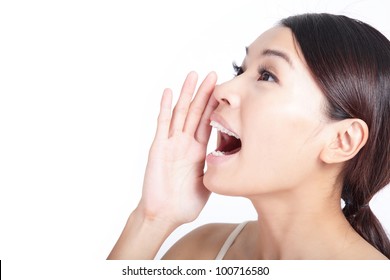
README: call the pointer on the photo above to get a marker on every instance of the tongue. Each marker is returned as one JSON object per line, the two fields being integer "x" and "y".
{"x": 232, "y": 151}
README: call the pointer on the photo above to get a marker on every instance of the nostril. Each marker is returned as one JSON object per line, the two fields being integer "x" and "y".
{"x": 225, "y": 100}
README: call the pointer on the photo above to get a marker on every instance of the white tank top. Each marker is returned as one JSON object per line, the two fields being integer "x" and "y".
{"x": 229, "y": 241}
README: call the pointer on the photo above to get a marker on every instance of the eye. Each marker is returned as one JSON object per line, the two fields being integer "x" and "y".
{"x": 266, "y": 76}
{"x": 238, "y": 70}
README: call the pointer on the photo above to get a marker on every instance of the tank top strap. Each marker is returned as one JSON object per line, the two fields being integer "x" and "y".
{"x": 229, "y": 241}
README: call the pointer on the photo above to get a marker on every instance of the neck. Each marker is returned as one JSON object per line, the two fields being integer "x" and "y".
{"x": 298, "y": 228}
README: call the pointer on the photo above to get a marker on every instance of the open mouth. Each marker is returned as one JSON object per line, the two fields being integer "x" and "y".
{"x": 228, "y": 142}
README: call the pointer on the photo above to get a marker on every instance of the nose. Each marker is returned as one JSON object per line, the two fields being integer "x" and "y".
{"x": 228, "y": 93}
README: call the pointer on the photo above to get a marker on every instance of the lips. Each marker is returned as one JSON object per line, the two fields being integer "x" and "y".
{"x": 229, "y": 142}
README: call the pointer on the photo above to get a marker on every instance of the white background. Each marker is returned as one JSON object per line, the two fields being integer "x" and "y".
{"x": 80, "y": 85}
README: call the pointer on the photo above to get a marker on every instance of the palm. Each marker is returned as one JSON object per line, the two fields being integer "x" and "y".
{"x": 173, "y": 185}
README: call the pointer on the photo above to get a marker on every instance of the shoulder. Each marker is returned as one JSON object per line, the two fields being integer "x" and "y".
{"x": 203, "y": 243}
{"x": 364, "y": 251}
{"x": 360, "y": 249}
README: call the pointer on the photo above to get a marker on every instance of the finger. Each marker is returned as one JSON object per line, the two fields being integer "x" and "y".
{"x": 203, "y": 131}
{"x": 198, "y": 105}
{"x": 164, "y": 117}
{"x": 181, "y": 109}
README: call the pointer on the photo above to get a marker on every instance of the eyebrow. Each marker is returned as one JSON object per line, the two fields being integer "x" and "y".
{"x": 271, "y": 52}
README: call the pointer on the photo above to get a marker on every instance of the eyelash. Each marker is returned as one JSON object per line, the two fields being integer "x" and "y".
{"x": 238, "y": 70}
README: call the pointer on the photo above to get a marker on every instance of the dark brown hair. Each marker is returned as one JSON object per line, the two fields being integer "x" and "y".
{"x": 350, "y": 61}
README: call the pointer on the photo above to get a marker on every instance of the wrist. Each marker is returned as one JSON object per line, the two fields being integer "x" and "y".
{"x": 151, "y": 220}
{"x": 142, "y": 237}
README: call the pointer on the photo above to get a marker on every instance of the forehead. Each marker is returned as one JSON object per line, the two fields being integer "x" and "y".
{"x": 278, "y": 38}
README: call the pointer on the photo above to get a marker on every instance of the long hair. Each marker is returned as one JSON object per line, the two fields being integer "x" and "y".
{"x": 350, "y": 61}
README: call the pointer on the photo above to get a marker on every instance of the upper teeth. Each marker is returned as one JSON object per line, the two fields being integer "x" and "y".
{"x": 219, "y": 127}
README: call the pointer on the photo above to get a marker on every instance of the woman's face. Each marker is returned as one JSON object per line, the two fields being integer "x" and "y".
{"x": 276, "y": 109}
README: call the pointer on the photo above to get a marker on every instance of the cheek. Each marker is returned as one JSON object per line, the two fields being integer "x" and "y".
{"x": 280, "y": 148}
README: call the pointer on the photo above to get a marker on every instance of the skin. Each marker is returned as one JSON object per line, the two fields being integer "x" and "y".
{"x": 288, "y": 165}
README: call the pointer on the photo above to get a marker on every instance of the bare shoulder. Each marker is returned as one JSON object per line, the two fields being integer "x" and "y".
{"x": 203, "y": 243}
{"x": 368, "y": 252}
{"x": 362, "y": 250}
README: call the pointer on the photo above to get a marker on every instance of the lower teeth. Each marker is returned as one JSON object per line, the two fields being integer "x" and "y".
{"x": 218, "y": 153}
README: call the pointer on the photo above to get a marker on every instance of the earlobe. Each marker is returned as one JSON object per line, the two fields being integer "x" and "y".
{"x": 350, "y": 135}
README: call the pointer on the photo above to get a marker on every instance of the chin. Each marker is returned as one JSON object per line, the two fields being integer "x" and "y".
{"x": 209, "y": 180}
{"x": 213, "y": 182}
{"x": 219, "y": 184}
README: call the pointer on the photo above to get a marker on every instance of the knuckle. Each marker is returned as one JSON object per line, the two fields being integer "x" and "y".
{"x": 196, "y": 110}
{"x": 180, "y": 110}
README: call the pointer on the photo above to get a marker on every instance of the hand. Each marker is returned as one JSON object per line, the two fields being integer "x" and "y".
{"x": 173, "y": 189}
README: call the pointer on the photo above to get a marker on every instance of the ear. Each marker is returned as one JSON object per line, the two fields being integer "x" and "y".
{"x": 349, "y": 136}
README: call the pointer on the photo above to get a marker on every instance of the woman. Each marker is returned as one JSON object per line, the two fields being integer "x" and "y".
{"x": 303, "y": 125}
